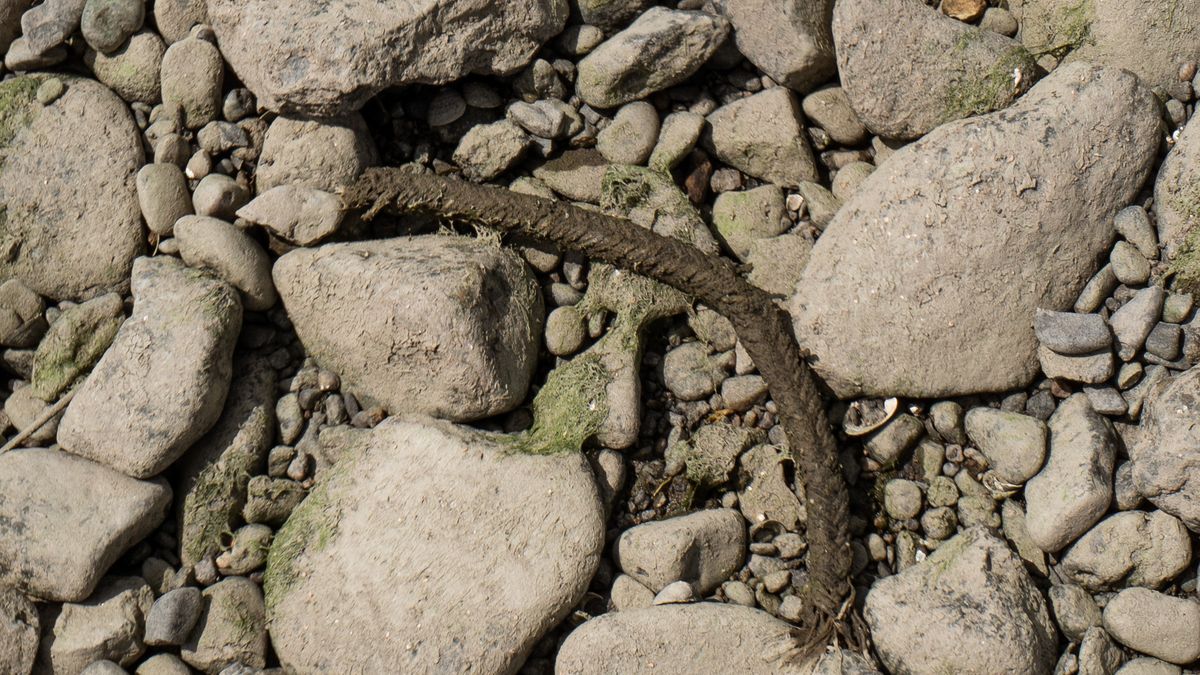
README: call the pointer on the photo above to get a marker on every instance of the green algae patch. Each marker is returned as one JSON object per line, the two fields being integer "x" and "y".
{"x": 569, "y": 409}
{"x": 995, "y": 88}
{"x": 308, "y": 530}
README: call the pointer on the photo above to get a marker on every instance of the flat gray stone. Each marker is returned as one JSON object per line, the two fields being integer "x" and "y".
{"x": 1132, "y": 323}
{"x": 1070, "y": 333}
{"x": 763, "y": 135}
{"x": 66, "y": 520}
{"x": 443, "y": 325}
{"x": 1014, "y": 444}
{"x": 967, "y": 607}
{"x": 321, "y": 59}
{"x": 661, "y": 48}
{"x": 1133, "y": 548}
{"x": 704, "y": 548}
{"x": 1156, "y": 624}
{"x": 409, "y": 486}
{"x": 138, "y": 414}
{"x": 789, "y": 40}
{"x": 882, "y": 325}
{"x": 106, "y": 626}
{"x": 1074, "y": 489}
{"x": 1166, "y": 455}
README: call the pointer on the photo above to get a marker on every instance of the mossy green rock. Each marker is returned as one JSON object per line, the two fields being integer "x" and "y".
{"x": 907, "y": 68}
{"x": 411, "y": 500}
{"x": 74, "y": 343}
{"x": 69, "y": 217}
{"x": 1150, "y": 38}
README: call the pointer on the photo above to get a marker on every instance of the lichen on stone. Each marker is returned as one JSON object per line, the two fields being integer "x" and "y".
{"x": 978, "y": 93}
{"x": 569, "y": 409}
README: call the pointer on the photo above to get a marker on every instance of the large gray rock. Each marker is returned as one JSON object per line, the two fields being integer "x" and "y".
{"x": 967, "y": 608}
{"x": 886, "y": 317}
{"x": 322, "y": 154}
{"x": 163, "y": 382}
{"x": 908, "y": 68}
{"x": 67, "y": 170}
{"x": 1166, "y": 455}
{"x": 19, "y": 630}
{"x": 321, "y": 58}
{"x": 212, "y": 477}
{"x": 1176, "y": 196}
{"x": 706, "y": 637}
{"x": 662, "y": 48}
{"x": 1152, "y": 38}
{"x": 790, "y": 40}
{"x": 411, "y": 499}
{"x": 1132, "y": 547}
{"x": 1074, "y": 489}
{"x": 108, "y": 625}
{"x": 447, "y": 326}
{"x": 232, "y": 628}
{"x": 64, "y": 521}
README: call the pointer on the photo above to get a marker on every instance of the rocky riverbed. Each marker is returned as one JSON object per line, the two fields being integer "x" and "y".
{"x": 250, "y": 430}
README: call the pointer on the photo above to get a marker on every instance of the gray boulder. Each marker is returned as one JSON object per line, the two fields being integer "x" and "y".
{"x": 706, "y": 637}
{"x": 1166, "y": 455}
{"x": 299, "y": 215}
{"x": 323, "y": 154}
{"x": 789, "y": 40}
{"x": 65, "y": 520}
{"x": 1151, "y": 38}
{"x": 163, "y": 382}
{"x": 967, "y": 608}
{"x": 662, "y": 48}
{"x": 1132, "y": 547}
{"x": 879, "y": 311}
{"x": 442, "y": 325}
{"x": 1074, "y": 489}
{"x": 1176, "y": 197}
{"x": 908, "y": 68}
{"x": 67, "y": 188}
{"x": 321, "y": 59}
{"x": 106, "y": 626}
{"x": 19, "y": 630}
{"x": 411, "y": 487}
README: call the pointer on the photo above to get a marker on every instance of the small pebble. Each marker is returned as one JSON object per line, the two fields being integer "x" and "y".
{"x": 50, "y": 90}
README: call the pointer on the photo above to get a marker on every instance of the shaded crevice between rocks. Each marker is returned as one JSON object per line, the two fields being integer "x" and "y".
{"x": 764, "y": 329}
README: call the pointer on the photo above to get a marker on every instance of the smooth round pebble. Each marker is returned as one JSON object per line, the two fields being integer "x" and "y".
{"x": 565, "y": 331}
{"x": 219, "y": 196}
{"x": 902, "y": 499}
{"x": 231, "y": 253}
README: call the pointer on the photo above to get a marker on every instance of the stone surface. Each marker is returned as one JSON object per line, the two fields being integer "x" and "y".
{"x": 1152, "y": 623}
{"x": 1176, "y": 193}
{"x": 706, "y": 637}
{"x": 65, "y": 520}
{"x": 212, "y": 477}
{"x": 1014, "y": 444}
{"x": 163, "y": 196}
{"x": 742, "y": 218}
{"x": 67, "y": 188}
{"x": 133, "y": 70}
{"x": 1070, "y": 333}
{"x": 325, "y": 154}
{"x": 22, "y": 315}
{"x": 1132, "y": 323}
{"x": 763, "y": 135}
{"x": 299, "y": 215}
{"x": 108, "y": 625}
{"x": 977, "y": 607}
{"x": 107, "y": 24}
{"x": 789, "y": 40}
{"x": 49, "y": 24}
{"x": 325, "y": 60}
{"x": 142, "y": 407}
{"x": 224, "y": 249}
{"x": 1150, "y": 38}
{"x": 1074, "y": 610}
{"x": 1166, "y": 455}
{"x": 907, "y": 68}
{"x": 880, "y": 313}
{"x": 488, "y": 150}
{"x": 1074, "y": 489}
{"x": 74, "y": 343}
{"x": 172, "y": 617}
{"x": 442, "y": 325}
{"x": 19, "y": 631}
{"x": 232, "y": 628}
{"x": 630, "y": 137}
{"x": 1133, "y": 548}
{"x": 412, "y": 486}
{"x": 192, "y": 76}
{"x": 704, "y": 548}
{"x": 661, "y": 48}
